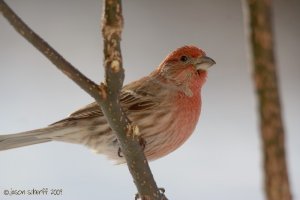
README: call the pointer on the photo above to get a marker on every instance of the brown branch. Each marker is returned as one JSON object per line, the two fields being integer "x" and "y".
{"x": 106, "y": 95}
{"x": 266, "y": 83}
{"x": 62, "y": 64}
{"x": 127, "y": 132}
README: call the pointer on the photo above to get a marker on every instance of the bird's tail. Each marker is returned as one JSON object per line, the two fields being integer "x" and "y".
{"x": 26, "y": 138}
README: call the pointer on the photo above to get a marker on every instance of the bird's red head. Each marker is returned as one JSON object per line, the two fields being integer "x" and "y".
{"x": 190, "y": 51}
{"x": 186, "y": 67}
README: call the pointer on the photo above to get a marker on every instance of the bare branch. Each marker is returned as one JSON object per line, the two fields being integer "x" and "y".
{"x": 266, "y": 82}
{"x": 62, "y": 64}
{"x": 125, "y": 130}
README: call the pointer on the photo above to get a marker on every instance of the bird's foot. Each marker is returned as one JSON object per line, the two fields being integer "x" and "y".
{"x": 160, "y": 190}
{"x": 142, "y": 142}
{"x": 120, "y": 154}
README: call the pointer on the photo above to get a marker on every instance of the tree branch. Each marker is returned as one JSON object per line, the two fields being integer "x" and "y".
{"x": 127, "y": 132}
{"x": 68, "y": 69}
{"x": 266, "y": 83}
{"x": 106, "y": 95}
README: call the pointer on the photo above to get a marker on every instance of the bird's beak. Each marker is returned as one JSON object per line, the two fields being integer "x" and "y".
{"x": 204, "y": 62}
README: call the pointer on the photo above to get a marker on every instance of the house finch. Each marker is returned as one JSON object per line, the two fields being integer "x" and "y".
{"x": 165, "y": 105}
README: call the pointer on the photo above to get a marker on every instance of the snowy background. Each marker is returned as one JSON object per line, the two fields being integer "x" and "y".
{"x": 221, "y": 161}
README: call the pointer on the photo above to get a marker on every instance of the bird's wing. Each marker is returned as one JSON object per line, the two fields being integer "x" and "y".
{"x": 130, "y": 102}
{"x": 90, "y": 110}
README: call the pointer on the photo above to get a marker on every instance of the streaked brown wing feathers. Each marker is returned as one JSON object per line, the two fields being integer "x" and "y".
{"x": 130, "y": 101}
{"x": 91, "y": 110}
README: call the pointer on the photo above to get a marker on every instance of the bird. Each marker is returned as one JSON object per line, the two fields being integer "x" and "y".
{"x": 165, "y": 105}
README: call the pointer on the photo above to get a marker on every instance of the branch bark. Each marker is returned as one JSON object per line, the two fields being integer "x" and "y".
{"x": 127, "y": 132}
{"x": 67, "y": 68}
{"x": 106, "y": 94}
{"x": 266, "y": 83}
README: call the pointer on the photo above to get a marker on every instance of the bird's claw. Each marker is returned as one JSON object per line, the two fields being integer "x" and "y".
{"x": 142, "y": 143}
{"x": 120, "y": 152}
{"x": 160, "y": 190}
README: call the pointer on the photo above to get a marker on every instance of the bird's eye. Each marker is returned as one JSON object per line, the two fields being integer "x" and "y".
{"x": 183, "y": 58}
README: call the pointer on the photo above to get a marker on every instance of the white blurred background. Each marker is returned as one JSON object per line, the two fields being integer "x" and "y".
{"x": 221, "y": 161}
